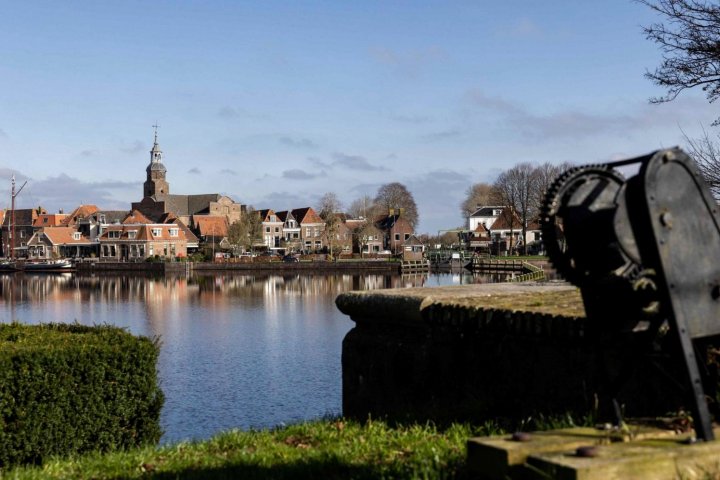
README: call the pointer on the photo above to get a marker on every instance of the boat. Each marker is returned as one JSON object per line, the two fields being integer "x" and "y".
{"x": 8, "y": 266}
{"x": 47, "y": 266}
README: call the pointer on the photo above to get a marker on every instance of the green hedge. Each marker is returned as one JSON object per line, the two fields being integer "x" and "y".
{"x": 70, "y": 389}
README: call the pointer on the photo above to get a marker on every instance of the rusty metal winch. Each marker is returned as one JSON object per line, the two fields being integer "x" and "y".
{"x": 645, "y": 252}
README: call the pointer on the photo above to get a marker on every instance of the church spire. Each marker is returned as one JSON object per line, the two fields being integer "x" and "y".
{"x": 156, "y": 184}
{"x": 155, "y": 153}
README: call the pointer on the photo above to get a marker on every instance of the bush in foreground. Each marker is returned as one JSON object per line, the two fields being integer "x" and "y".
{"x": 68, "y": 389}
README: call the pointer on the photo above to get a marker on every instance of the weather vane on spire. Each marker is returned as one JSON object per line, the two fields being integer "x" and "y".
{"x": 156, "y": 126}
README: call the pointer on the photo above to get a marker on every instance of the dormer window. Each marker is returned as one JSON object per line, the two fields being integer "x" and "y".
{"x": 77, "y": 235}
{"x": 173, "y": 232}
{"x": 156, "y": 232}
{"x": 132, "y": 234}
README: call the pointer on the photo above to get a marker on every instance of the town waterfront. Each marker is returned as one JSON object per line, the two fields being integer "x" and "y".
{"x": 238, "y": 351}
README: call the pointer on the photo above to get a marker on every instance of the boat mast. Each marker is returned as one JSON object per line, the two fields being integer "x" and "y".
{"x": 11, "y": 225}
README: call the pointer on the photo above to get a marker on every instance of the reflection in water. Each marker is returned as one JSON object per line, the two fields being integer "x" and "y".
{"x": 238, "y": 351}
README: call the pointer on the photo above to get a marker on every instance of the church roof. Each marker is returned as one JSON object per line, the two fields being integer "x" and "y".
{"x": 185, "y": 205}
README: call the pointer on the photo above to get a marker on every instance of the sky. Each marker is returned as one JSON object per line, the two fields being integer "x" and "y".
{"x": 275, "y": 103}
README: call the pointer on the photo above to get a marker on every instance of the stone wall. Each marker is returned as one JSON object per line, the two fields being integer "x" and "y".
{"x": 486, "y": 351}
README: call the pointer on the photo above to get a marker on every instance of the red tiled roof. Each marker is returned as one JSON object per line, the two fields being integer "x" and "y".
{"x": 49, "y": 220}
{"x": 64, "y": 236}
{"x": 211, "y": 225}
{"x": 83, "y": 211}
{"x": 135, "y": 217}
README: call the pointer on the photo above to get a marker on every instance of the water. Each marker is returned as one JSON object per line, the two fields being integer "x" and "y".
{"x": 238, "y": 351}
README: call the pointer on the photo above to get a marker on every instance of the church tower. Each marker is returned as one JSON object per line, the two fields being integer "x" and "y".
{"x": 156, "y": 183}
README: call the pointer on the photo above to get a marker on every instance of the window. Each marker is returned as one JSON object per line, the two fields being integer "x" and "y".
{"x": 277, "y": 229}
{"x": 397, "y": 237}
{"x": 45, "y": 220}
{"x": 156, "y": 232}
{"x": 407, "y": 236}
{"x": 150, "y": 250}
{"x": 267, "y": 229}
{"x": 174, "y": 232}
{"x": 114, "y": 234}
{"x": 273, "y": 218}
{"x": 22, "y": 233}
{"x": 132, "y": 234}
{"x": 76, "y": 235}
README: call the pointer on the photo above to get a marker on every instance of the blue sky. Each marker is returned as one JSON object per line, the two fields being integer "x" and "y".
{"x": 276, "y": 103}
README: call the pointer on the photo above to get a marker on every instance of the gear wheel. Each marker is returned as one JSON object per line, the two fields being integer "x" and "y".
{"x": 589, "y": 188}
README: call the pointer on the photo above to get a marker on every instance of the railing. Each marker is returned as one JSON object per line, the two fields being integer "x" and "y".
{"x": 534, "y": 273}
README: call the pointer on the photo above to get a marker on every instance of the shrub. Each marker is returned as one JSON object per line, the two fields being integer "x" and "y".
{"x": 70, "y": 389}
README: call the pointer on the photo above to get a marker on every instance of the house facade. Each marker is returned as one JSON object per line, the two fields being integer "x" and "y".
{"x": 60, "y": 242}
{"x": 396, "y": 231}
{"x": 272, "y": 228}
{"x": 137, "y": 242}
{"x": 312, "y": 228}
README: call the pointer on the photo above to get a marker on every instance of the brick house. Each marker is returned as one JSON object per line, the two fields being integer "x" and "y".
{"x": 137, "y": 242}
{"x": 22, "y": 230}
{"x": 396, "y": 230}
{"x": 366, "y": 237}
{"x": 311, "y": 228}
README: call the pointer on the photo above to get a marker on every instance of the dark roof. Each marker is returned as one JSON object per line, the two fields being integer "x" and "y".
{"x": 24, "y": 217}
{"x": 386, "y": 222}
{"x": 112, "y": 216}
{"x": 186, "y": 205}
{"x": 485, "y": 211}
{"x": 306, "y": 215}
{"x": 284, "y": 215}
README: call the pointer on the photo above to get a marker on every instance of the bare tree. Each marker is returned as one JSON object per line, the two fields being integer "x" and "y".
{"x": 363, "y": 207}
{"x": 545, "y": 175}
{"x": 329, "y": 209}
{"x": 690, "y": 42}
{"x": 516, "y": 189}
{"x": 396, "y": 196}
{"x": 477, "y": 194}
{"x": 706, "y": 153}
{"x": 363, "y": 234}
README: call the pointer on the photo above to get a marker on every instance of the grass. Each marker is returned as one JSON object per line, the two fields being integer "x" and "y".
{"x": 330, "y": 449}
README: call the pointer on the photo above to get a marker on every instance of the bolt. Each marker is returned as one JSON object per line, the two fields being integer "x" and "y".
{"x": 589, "y": 451}
{"x": 666, "y": 219}
{"x": 521, "y": 437}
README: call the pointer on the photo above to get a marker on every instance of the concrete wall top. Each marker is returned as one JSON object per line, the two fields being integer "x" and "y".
{"x": 463, "y": 304}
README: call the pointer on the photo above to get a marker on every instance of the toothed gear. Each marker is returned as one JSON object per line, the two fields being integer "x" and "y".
{"x": 588, "y": 180}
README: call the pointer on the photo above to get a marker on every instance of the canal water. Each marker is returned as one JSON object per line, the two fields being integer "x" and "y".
{"x": 238, "y": 351}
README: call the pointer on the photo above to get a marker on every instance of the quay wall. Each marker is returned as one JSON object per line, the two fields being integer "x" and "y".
{"x": 181, "y": 267}
{"x": 470, "y": 353}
